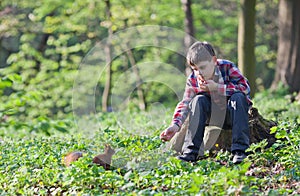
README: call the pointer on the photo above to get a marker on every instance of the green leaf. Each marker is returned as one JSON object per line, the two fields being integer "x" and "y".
{"x": 61, "y": 129}
{"x": 15, "y": 77}
{"x": 45, "y": 126}
{"x": 281, "y": 134}
{"x": 273, "y": 129}
{"x": 4, "y": 83}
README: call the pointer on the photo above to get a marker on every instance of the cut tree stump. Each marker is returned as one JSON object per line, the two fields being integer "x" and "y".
{"x": 216, "y": 138}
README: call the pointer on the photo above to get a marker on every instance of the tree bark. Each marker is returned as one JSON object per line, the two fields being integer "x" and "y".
{"x": 246, "y": 41}
{"x": 140, "y": 92}
{"x": 259, "y": 130}
{"x": 188, "y": 27}
{"x": 288, "y": 54}
{"x": 188, "y": 22}
{"x": 107, "y": 87}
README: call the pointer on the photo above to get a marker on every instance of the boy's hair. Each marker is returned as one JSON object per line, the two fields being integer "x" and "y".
{"x": 200, "y": 51}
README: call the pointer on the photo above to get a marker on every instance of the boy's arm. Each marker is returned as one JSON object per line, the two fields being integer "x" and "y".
{"x": 237, "y": 83}
{"x": 181, "y": 109}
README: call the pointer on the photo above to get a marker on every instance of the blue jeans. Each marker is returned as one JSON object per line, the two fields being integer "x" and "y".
{"x": 235, "y": 116}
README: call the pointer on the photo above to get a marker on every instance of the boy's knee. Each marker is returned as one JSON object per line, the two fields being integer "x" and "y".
{"x": 198, "y": 100}
{"x": 238, "y": 97}
{"x": 238, "y": 100}
{"x": 201, "y": 99}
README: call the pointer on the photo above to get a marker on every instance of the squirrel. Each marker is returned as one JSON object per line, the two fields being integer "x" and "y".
{"x": 101, "y": 159}
{"x": 105, "y": 158}
{"x": 71, "y": 157}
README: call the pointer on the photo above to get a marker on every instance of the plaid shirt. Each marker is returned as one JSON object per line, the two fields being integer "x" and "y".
{"x": 230, "y": 80}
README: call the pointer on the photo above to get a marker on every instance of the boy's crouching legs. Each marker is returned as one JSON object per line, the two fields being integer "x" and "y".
{"x": 238, "y": 107}
{"x": 199, "y": 111}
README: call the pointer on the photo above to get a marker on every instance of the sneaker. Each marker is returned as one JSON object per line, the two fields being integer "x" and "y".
{"x": 187, "y": 157}
{"x": 238, "y": 157}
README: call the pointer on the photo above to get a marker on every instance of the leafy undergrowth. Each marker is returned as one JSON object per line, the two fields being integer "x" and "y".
{"x": 144, "y": 166}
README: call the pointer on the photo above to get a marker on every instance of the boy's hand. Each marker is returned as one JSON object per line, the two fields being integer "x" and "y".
{"x": 209, "y": 85}
{"x": 168, "y": 133}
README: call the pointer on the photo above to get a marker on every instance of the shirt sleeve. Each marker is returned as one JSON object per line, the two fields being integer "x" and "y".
{"x": 182, "y": 108}
{"x": 236, "y": 83}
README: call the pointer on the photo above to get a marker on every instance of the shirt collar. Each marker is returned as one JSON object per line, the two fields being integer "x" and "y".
{"x": 217, "y": 70}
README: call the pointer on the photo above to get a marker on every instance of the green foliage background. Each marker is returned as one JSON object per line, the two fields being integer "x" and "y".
{"x": 44, "y": 43}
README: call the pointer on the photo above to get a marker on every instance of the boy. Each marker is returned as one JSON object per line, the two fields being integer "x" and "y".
{"x": 212, "y": 81}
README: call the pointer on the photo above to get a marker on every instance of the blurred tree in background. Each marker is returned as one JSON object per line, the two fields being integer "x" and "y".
{"x": 288, "y": 59}
{"x": 246, "y": 41}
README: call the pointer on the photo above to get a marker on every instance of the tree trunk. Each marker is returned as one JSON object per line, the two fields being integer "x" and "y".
{"x": 107, "y": 87}
{"x": 246, "y": 41}
{"x": 259, "y": 130}
{"x": 288, "y": 54}
{"x": 188, "y": 22}
{"x": 141, "y": 96}
{"x": 298, "y": 97}
{"x": 41, "y": 48}
{"x": 216, "y": 139}
{"x": 188, "y": 27}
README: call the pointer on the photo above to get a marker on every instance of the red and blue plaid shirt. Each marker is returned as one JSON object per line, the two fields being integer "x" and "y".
{"x": 230, "y": 80}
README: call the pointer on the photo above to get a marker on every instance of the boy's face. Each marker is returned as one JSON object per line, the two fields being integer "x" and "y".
{"x": 204, "y": 69}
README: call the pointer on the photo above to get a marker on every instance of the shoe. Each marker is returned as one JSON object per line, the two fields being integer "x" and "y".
{"x": 187, "y": 157}
{"x": 238, "y": 157}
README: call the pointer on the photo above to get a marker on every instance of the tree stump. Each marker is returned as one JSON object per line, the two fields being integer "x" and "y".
{"x": 216, "y": 138}
{"x": 259, "y": 130}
